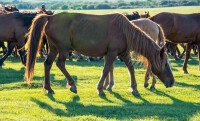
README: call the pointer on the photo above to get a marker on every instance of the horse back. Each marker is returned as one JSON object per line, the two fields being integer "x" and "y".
{"x": 81, "y": 32}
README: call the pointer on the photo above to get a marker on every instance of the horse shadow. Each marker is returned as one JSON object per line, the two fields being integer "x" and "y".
{"x": 181, "y": 84}
{"x": 127, "y": 111}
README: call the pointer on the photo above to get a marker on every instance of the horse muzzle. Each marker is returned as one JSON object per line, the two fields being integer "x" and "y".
{"x": 169, "y": 84}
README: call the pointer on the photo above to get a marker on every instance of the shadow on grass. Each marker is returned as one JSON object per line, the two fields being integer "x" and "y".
{"x": 181, "y": 84}
{"x": 178, "y": 110}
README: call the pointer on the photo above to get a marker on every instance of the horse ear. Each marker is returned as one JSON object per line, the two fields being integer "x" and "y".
{"x": 162, "y": 51}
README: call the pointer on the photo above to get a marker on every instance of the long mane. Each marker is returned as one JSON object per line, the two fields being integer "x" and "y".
{"x": 139, "y": 42}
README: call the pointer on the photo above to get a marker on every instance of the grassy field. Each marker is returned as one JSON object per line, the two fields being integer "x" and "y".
{"x": 20, "y": 102}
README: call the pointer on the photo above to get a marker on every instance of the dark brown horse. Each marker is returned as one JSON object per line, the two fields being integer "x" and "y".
{"x": 181, "y": 28}
{"x": 14, "y": 26}
{"x": 145, "y": 15}
{"x": 93, "y": 35}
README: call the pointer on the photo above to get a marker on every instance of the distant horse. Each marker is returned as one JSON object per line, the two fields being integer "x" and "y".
{"x": 181, "y": 28}
{"x": 133, "y": 16}
{"x": 145, "y": 15}
{"x": 156, "y": 33}
{"x": 94, "y": 35}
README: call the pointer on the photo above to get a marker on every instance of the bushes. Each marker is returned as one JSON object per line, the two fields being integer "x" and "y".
{"x": 120, "y": 4}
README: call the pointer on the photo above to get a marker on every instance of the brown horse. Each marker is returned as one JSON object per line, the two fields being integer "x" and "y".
{"x": 93, "y": 35}
{"x": 156, "y": 33}
{"x": 181, "y": 28}
{"x": 145, "y": 15}
{"x": 14, "y": 26}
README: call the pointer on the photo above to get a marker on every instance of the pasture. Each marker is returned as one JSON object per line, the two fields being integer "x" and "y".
{"x": 20, "y": 102}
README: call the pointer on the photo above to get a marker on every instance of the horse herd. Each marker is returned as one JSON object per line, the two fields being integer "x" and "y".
{"x": 105, "y": 36}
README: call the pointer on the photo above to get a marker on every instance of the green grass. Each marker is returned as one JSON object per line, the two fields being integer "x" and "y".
{"x": 20, "y": 102}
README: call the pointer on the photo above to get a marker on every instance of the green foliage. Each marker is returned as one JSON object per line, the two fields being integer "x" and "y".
{"x": 115, "y": 4}
{"x": 65, "y": 7}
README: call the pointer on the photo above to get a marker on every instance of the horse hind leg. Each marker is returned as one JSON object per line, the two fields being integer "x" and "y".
{"x": 109, "y": 61}
{"x": 10, "y": 49}
{"x": 48, "y": 64}
{"x": 111, "y": 84}
{"x": 198, "y": 44}
{"x": 109, "y": 78}
{"x": 61, "y": 65}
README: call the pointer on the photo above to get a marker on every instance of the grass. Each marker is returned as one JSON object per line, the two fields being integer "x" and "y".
{"x": 20, "y": 102}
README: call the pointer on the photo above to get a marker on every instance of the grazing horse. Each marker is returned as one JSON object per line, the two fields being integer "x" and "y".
{"x": 156, "y": 33}
{"x": 181, "y": 28}
{"x": 93, "y": 35}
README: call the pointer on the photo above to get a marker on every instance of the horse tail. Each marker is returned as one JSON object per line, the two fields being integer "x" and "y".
{"x": 34, "y": 44}
{"x": 161, "y": 36}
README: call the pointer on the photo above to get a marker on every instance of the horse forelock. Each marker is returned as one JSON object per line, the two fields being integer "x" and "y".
{"x": 139, "y": 42}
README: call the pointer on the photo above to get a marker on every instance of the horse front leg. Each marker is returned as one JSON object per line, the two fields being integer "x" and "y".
{"x": 110, "y": 57}
{"x": 146, "y": 84}
{"x": 127, "y": 61}
{"x": 153, "y": 82}
{"x": 188, "y": 49}
{"x": 61, "y": 65}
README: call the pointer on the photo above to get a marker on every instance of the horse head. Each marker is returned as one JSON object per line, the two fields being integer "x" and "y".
{"x": 163, "y": 70}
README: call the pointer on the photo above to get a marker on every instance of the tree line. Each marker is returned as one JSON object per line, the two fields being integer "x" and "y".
{"x": 87, "y": 5}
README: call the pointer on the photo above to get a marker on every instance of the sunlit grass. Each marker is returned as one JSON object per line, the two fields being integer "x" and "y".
{"x": 20, "y": 102}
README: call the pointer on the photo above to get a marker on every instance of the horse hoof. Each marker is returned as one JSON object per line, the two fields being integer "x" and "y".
{"x": 104, "y": 87}
{"x": 109, "y": 89}
{"x": 146, "y": 85}
{"x": 101, "y": 93}
{"x": 51, "y": 92}
{"x": 73, "y": 89}
{"x": 185, "y": 72}
{"x": 135, "y": 93}
{"x": 152, "y": 88}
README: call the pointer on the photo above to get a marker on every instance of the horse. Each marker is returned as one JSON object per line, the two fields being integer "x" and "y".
{"x": 93, "y": 35}
{"x": 156, "y": 33}
{"x": 133, "y": 16}
{"x": 181, "y": 28}
{"x": 5, "y": 9}
{"x": 145, "y": 15}
{"x": 14, "y": 27}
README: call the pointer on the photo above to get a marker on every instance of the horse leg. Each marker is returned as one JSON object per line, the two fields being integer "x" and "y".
{"x": 112, "y": 82}
{"x": 109, "y": 61}
{"x": 23, "y": 56}
{"x": 10, "y": 49}
{"x": 48, "y": 64}
{"x": 184, "y": 49}
{"x": 61, "y": 65}
{"x": 198, "y": 44}
{"x": 188, "y": 49}
{"x": 146, "y": 84}
{"x": 109, "y": 78}
{"x": 127, "y": 61}
{"x": 153, "y": 82}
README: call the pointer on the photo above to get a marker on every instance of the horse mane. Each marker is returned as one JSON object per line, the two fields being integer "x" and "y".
{"x": 138, "y": 41}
